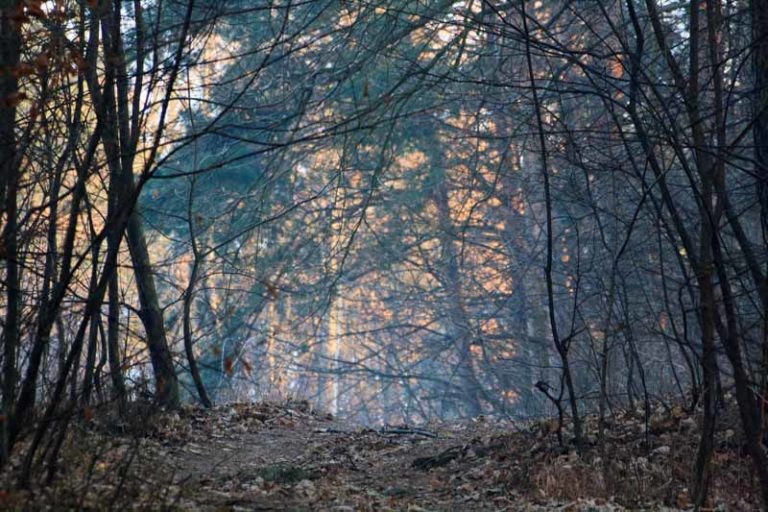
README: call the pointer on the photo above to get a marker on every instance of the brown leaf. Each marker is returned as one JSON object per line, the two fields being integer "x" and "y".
{"x": 271, "y": 290}
{"x": 247, "y": 368}
{"x": 35, "y": 10}
{"x": 18, "y": 16}
{"x": 79, "y": 61}
{"x": 616, "y": 68}
{"x": 23, "y": 69}
{"x": 41, "y": 62}
{"x": 12, "y": 99}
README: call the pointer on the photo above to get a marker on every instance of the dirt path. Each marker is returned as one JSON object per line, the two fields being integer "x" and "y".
{"x": 300, "y": 461}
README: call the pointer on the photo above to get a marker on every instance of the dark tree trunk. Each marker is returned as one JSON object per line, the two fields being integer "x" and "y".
{"x": 760, "y": 127}
{"x": 760, "y": 137}
{"x": 10, "y": 48}
{"x": 93, "y": 336}
{"x": 113, "y": 344}
{"x": 188, "y": 342}
{"x": 90, "y": 359}
{"x": 166, "y": 383}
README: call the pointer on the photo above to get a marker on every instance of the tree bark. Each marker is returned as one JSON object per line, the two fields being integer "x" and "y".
{"x": 166, "y": 383}
{"x": 10, "y": 50}
{"x": 760, "y": 137}
{"x": 113, "y": 344}
{"x": 187, "y": 327}
{"x": 760, "y": 127}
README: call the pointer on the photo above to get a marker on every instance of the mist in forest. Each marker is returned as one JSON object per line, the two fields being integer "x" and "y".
{"x": 400, "y": 212}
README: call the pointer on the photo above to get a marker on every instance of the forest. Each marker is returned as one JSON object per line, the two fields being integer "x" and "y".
{"x": 384, "y": 255}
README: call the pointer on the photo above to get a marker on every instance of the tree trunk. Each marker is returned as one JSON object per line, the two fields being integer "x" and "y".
{"x": 166, "y": 383}
{"x": 113, "y": 343}
{"x": 760, "y": 126}
{"x": 760, "y": 137}
{"x": 707, "y": 311}
{"x": 561, "y": 345}
{"x": 459, "y": 328}
{"x": 10, "y": 49}
{"x": 111, "y": 103}
{"x": 187, "y": 327}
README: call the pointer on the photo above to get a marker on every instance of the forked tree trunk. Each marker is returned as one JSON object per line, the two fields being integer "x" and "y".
{"x": 120, "y": 142}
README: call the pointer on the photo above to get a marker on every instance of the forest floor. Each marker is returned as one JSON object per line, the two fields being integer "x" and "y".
{"x": 288, "y": 457}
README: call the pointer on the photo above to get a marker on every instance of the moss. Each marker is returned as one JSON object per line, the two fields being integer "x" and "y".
{"x": 283, "y": 473}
